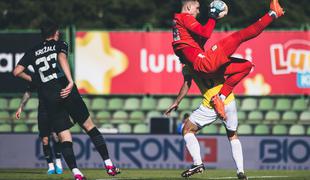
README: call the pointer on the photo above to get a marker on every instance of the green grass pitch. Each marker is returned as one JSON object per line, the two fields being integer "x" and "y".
{"x": 97, "y": 174}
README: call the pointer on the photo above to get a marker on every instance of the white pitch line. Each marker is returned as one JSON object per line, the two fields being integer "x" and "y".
{"x": 250, "y": 177}
{"x": 261, "y": 177}
{"x": 257, "y": 177}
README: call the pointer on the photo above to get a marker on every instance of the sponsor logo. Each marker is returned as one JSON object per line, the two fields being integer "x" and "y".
{"x": 284, "y": 154}
{"x": 291, "y": 57}
{"x": 208, "y": 147}
{"x": 159, "y": 63}
{"x": 303, "y": 80}
{"x": 142, "y": 153}
{"x": 8, "y": 61}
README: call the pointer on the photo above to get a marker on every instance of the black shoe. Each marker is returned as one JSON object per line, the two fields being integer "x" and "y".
{"x": 193, "y": 170}
{"x": 242, "y": 176}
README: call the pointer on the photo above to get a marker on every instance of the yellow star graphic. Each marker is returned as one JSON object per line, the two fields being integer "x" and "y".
{"x": 256, "y": 86}
{"x": 96, "y": 62}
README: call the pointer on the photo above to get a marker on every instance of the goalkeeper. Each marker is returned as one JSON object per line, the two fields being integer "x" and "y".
{"x": 189, "y": 38}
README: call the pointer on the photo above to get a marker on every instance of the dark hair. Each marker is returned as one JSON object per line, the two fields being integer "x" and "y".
{"x": 48, "y": 28}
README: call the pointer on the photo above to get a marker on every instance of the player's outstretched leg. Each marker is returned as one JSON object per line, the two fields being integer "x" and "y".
{"x": 101, "y": 146}
{"x": 232, "y": 42}
{"x": 193, "y": 170}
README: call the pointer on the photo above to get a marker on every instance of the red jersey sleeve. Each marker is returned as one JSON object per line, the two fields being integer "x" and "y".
{"x": 194, "y": 26}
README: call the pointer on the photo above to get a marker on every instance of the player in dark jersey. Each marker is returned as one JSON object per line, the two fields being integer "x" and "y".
{"x": 45, "y": 132}
{"x": 60, "y": 95}
{"x": 189, "y": 37}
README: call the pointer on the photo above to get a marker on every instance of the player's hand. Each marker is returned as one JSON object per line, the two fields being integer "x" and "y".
{"x": 173, "y": 107}
{"x": 66, "y": 91}
{"x": 18, "y": 112}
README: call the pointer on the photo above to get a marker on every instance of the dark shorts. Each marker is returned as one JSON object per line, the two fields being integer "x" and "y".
{"x": 76, "y": 107}
{"x": 46, "y": 124}
{"x": 59, "y": 110}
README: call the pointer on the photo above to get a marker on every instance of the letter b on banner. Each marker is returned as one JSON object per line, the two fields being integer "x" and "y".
{"x": 275, "y": 151}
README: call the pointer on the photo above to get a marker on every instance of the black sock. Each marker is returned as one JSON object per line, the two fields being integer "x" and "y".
{"x": 68, "y": 154}
{"x": 99, "y": 143}
{"x": 57, "y": 149}
{"x": 48, "y": 153}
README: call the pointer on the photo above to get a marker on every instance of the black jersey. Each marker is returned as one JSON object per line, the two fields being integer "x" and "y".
{"x": 33, "y": 85}
{"x": 44, "y": 60}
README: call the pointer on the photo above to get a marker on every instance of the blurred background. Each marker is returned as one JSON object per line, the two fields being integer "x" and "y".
{"x": 123, "y": 63}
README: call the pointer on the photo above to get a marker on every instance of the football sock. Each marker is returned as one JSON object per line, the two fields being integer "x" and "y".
{"x": 48, "y": 153}
{"x": 272, "y": 14}
{"x": 76, "y": 171}
{"x": 58, "y": 163}
{"x": 236, "y": 149}
{"x": 193, "y": 147}
{"x": 51, "y": 166}
{"x": 68, "y": 154}
{"x": 99, "y": 143}
{"x": 108, "y": 162}
{"x": 57, "y": 149}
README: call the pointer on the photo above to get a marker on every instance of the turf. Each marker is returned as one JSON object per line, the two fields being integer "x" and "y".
{"x": 96, "y": 174}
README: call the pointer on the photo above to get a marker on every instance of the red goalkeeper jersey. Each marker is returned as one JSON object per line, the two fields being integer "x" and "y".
{"x": 188, "y": 32}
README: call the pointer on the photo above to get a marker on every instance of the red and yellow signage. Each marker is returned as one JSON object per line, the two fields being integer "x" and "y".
{"x": 144, "y": 62}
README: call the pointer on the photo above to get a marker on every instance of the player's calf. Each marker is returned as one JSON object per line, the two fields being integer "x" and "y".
{"x": 193, "y": 170}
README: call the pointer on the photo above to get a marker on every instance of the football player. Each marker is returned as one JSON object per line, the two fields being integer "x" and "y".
{"x": 205, "y": 115}
{"x": 189, "y": 38}
{"x": 60, "y": 95}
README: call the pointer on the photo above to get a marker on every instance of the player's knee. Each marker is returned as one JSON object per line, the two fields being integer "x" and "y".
{"x": 232, "y": 135}
{"x": 45, "y": 140}
{"x": 189, "y": 127}
{"x": 88, "y": 124}
{"x": 248, "y": 66}
{"x": 65, "y": 136}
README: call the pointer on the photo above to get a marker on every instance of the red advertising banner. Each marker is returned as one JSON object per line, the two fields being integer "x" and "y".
{"x": 144, "y": 62}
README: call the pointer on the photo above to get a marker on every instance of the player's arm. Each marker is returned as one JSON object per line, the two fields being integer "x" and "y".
{"x": 194, "y": 26}
{"x": 22, "y": 104}
{"x": 63, "y": 61}
{"x": 19, "y": 72}
{"x": 182, "y": 93}
{"x": 21, "y": 66}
